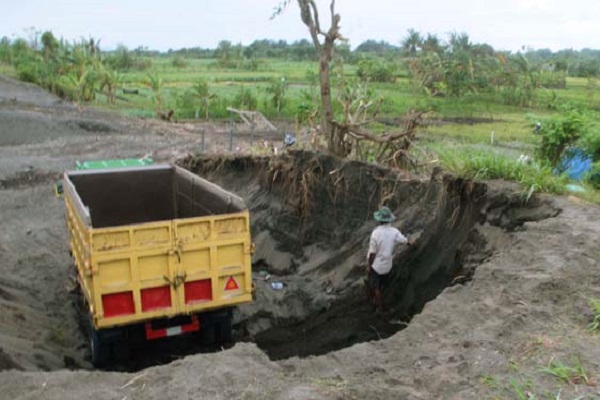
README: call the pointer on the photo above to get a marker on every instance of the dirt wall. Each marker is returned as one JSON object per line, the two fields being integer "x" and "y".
{"x": 312, "y": 216}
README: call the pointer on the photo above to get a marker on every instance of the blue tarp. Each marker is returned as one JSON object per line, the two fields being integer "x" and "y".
{"x": 576, "y": 164}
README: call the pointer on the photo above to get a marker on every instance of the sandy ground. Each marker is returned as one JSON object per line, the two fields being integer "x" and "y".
{"x": 491, "y": 337}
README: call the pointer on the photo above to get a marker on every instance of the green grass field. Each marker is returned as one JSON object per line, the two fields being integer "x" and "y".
{"x": 458, "y": 130}
{"x": 463, "y": 120}
{"x": 399, "y": 96}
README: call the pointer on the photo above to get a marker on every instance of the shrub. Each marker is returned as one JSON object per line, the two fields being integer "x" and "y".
{"x": 593, "y": 177}
{"x": 245, "y": 99}
{"x": 179, "y": 62}
{"x": 376, "y": 71}
{"x": 559, "y": 133}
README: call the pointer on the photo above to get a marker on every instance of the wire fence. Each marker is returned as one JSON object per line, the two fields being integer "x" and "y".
{"x": 251, "y": 136}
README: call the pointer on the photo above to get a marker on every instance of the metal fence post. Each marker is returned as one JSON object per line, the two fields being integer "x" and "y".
{"x": 231, "y": 131}
{"x": 203, "y": 140}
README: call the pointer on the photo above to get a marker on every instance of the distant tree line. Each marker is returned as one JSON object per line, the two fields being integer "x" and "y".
{"x": 582, "y": 63}
{"x": 440, "y": 67}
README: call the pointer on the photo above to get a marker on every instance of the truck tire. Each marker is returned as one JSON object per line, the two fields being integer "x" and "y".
{"x": 100, "y": 350}
{"x": 224, "y": 331}
{"x": 208, "y": 335}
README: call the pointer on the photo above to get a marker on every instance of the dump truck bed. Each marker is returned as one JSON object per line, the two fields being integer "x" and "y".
{"x": 156, "y": 241}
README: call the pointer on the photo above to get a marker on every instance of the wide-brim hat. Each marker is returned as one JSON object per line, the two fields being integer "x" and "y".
{"x": 384, "y": 214}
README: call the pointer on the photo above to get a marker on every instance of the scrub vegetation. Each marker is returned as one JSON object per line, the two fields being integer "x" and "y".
{"x": 478, "y": 107}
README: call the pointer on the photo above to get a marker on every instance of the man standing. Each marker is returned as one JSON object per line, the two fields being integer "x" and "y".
{"x": 380, "y": 256}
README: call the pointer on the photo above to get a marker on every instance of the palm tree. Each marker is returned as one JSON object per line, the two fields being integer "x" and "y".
{"x": 432, "y": 43}
{"x": 412, "y": 42}
{"x": 109, "y": 80}
{"x": 460, "y": 41}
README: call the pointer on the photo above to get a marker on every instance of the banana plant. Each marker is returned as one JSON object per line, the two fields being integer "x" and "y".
{"x": 155, "y": 83}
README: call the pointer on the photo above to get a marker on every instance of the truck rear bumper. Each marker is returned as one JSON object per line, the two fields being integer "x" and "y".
{"x": 152, "y": 333}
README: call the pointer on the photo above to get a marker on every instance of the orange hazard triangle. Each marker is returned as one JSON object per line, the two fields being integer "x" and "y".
{"x": 231, "y": 284}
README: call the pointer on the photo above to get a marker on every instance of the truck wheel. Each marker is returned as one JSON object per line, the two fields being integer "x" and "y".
{"x": 208, "y": 335}
{"x": 99, "y": 349}
{"x": 223, "y": 331}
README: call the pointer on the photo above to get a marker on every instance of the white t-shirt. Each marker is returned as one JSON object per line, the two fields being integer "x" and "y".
{"x": 383, "y": 241}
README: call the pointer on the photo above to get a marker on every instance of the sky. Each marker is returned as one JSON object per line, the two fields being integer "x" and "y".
{"x": 173, "y": 24}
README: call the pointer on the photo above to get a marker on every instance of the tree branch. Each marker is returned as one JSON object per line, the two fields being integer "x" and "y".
{"x": 332, "y": 10}
{"x": 315, "y": 13}
{"x": 357, "y": 132}
{"x": 306, "y": 14}
{"x": 279, "y": 9}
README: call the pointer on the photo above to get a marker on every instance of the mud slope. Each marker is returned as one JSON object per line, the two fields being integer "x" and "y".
{"x": 311, "y": 220}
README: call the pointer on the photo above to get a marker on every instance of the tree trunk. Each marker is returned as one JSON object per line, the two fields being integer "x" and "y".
{"x": 310, "y": 17}
{"x": 327, "y": 127}
{"x": 335, "y": 137}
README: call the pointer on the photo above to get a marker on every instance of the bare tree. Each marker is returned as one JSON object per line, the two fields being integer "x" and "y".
{"x": 324, "y": 42}
{"x": 346, "y": 135}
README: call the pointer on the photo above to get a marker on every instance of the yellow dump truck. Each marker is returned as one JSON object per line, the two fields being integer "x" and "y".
{"x": 159, "y": 252}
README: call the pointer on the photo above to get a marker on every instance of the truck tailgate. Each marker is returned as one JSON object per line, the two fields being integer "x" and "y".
{"x": 138, "y": 272}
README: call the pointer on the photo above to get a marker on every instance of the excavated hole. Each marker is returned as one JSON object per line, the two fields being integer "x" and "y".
{"x": 311, "y": 218}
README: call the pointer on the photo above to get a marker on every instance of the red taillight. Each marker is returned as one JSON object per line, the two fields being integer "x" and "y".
{"x": 198, "y": 291}
{"x": 156, "y": 298}
{"x": 116, "y": 304}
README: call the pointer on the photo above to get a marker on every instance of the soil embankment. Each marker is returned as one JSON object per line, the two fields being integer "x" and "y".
{"x": 311, "y": 219}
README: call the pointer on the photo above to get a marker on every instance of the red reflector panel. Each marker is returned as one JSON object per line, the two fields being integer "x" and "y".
{"x": 197, "y": 291}
{"x": 116, "y": 304}
{"x": 156, "y": 298}
{"x": 231, "y": 284}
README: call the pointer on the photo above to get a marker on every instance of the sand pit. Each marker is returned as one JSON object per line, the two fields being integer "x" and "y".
{"x": 312, "y": 216}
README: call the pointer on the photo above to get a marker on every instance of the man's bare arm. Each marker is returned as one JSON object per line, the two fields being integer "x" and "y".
{"x": 370, "y": 261}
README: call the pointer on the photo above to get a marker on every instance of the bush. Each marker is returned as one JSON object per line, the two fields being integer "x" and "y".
{"x": 590, "y": 142}
{"x": 553, "y": 80}
{"x": 245, "y": 99}
{"x": 559, "y": 133}
{"x": 30, "y": 71}
{"x": 187, "y": 104}
{"x": 593, "y": 177}
{"x": 123, "y": 59}
{"x": 179, "y": 62}
{"x": 376, "y": 71}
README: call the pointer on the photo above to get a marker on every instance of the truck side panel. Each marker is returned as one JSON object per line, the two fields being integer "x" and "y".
{"x": 78, "y": 227}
